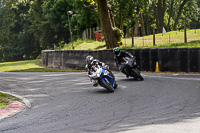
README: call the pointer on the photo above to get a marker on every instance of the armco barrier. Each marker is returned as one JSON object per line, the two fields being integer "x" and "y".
{"x": 169, "y": 59}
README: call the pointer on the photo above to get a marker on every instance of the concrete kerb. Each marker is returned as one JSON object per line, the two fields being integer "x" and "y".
{"x": 15, "y": 107}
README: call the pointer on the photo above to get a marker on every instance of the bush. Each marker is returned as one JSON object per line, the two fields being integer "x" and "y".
{"x": 38, "y": 57}
{"x": 118, "y": 34}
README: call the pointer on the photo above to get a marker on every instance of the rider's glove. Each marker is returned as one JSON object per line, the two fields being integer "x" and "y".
{"x": 107, "y": 67}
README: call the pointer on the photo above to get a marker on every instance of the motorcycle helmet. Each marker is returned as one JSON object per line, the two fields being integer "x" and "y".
{"x": 89, "y": 59}
{"x": 116, "y": 51}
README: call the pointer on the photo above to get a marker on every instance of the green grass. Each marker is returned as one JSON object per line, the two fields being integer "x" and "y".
{"x": 169, "y": 40}
{"x": 28, "y": 66}
{"x": 6, "y": 99}
{"x": 85, "y": 45}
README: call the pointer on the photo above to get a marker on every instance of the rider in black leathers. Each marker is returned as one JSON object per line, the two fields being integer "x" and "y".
{"x": 119, "y": 55}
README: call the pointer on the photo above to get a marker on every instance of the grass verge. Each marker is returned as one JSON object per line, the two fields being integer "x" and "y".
{"x": 28, "y": 66}
{"x": 6, "y": 99}
{"x": 172, "y": 39}
{"x": 85, "y": 45}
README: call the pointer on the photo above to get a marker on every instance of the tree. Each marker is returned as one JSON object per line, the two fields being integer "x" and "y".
{"x": 85, "y": 16}
{"x": 55, "y": 14}
{"x": 106, "y": 23}
{"x": 159, "y": 12}
{"x": 28, "y": 26}
{"x": 147, "y": 17}
{"x": 21, "y": 40}
{"x": 6, "y": 21}
{"x": 179, "y": 13}
{"x": 170, "y": 14}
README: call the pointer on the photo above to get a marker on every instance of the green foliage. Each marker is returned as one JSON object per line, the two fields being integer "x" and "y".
{"x": 38, "y": 57}
{"x": 27, "y": 27}
{"x": 118, "y": 34}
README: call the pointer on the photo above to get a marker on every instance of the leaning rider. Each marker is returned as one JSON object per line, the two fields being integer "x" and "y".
{"x": 91, "y": 63}
{"x": 119, "y": 58}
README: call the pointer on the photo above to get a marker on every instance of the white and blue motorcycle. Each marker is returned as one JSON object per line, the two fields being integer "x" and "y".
{"x": 104, "y": 78}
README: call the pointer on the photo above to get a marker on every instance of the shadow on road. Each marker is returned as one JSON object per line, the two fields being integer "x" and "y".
{"x": 130, "y": 79}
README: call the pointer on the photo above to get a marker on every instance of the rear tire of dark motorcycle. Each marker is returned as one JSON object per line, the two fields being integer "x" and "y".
{"x": 108, "y": 86}
{"x": 137, "y": 73}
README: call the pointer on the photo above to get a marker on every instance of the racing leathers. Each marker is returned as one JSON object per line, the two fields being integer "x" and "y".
{"x": 119, "y": 59}
{"x": 91, "y": 69}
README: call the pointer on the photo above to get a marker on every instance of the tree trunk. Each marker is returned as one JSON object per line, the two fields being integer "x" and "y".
{"x": 142, "y": 25}
{"x": 106, "y": 24}
{"x": 162, "y": 13}
{"x": 159, "y": 12}
{"x": 111, "y": 17}
{"x": 179, "y": 14}
{"x": 159, "y": 17}
{"x": 170, "y": 14}
{"x": 147, "y": 21}
{"x": 136, "y": 31}
{"x": 120, "y": 19}
{"x": 155, "y": 13}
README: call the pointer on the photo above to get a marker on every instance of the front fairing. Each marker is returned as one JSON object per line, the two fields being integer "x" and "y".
{"x": 107, "y": 77}
{"x": 102, "y": 74}
{"x": 131, "y": 62}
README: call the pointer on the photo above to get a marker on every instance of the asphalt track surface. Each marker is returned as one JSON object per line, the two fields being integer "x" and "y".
{"x": 68, "y": 103}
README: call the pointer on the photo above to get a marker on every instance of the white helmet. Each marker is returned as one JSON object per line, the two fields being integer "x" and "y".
{"x": 89, "y": 59}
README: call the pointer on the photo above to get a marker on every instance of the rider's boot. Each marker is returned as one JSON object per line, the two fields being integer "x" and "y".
{"x": 95, "y": 83}
{"x": 115, "y": 85}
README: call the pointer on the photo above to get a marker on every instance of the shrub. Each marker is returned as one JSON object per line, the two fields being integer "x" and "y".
{"x": 38, "y": 57}
{"x": 118, "y": 34}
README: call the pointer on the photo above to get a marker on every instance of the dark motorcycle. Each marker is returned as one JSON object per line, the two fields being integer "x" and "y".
{"x": 129, "y": 67}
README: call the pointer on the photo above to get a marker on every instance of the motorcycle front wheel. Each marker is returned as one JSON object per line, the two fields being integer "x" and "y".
{"x": 107, "y": 86}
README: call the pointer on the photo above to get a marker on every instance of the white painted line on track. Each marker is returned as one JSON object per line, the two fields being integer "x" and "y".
{"x": 195, "y": 79}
